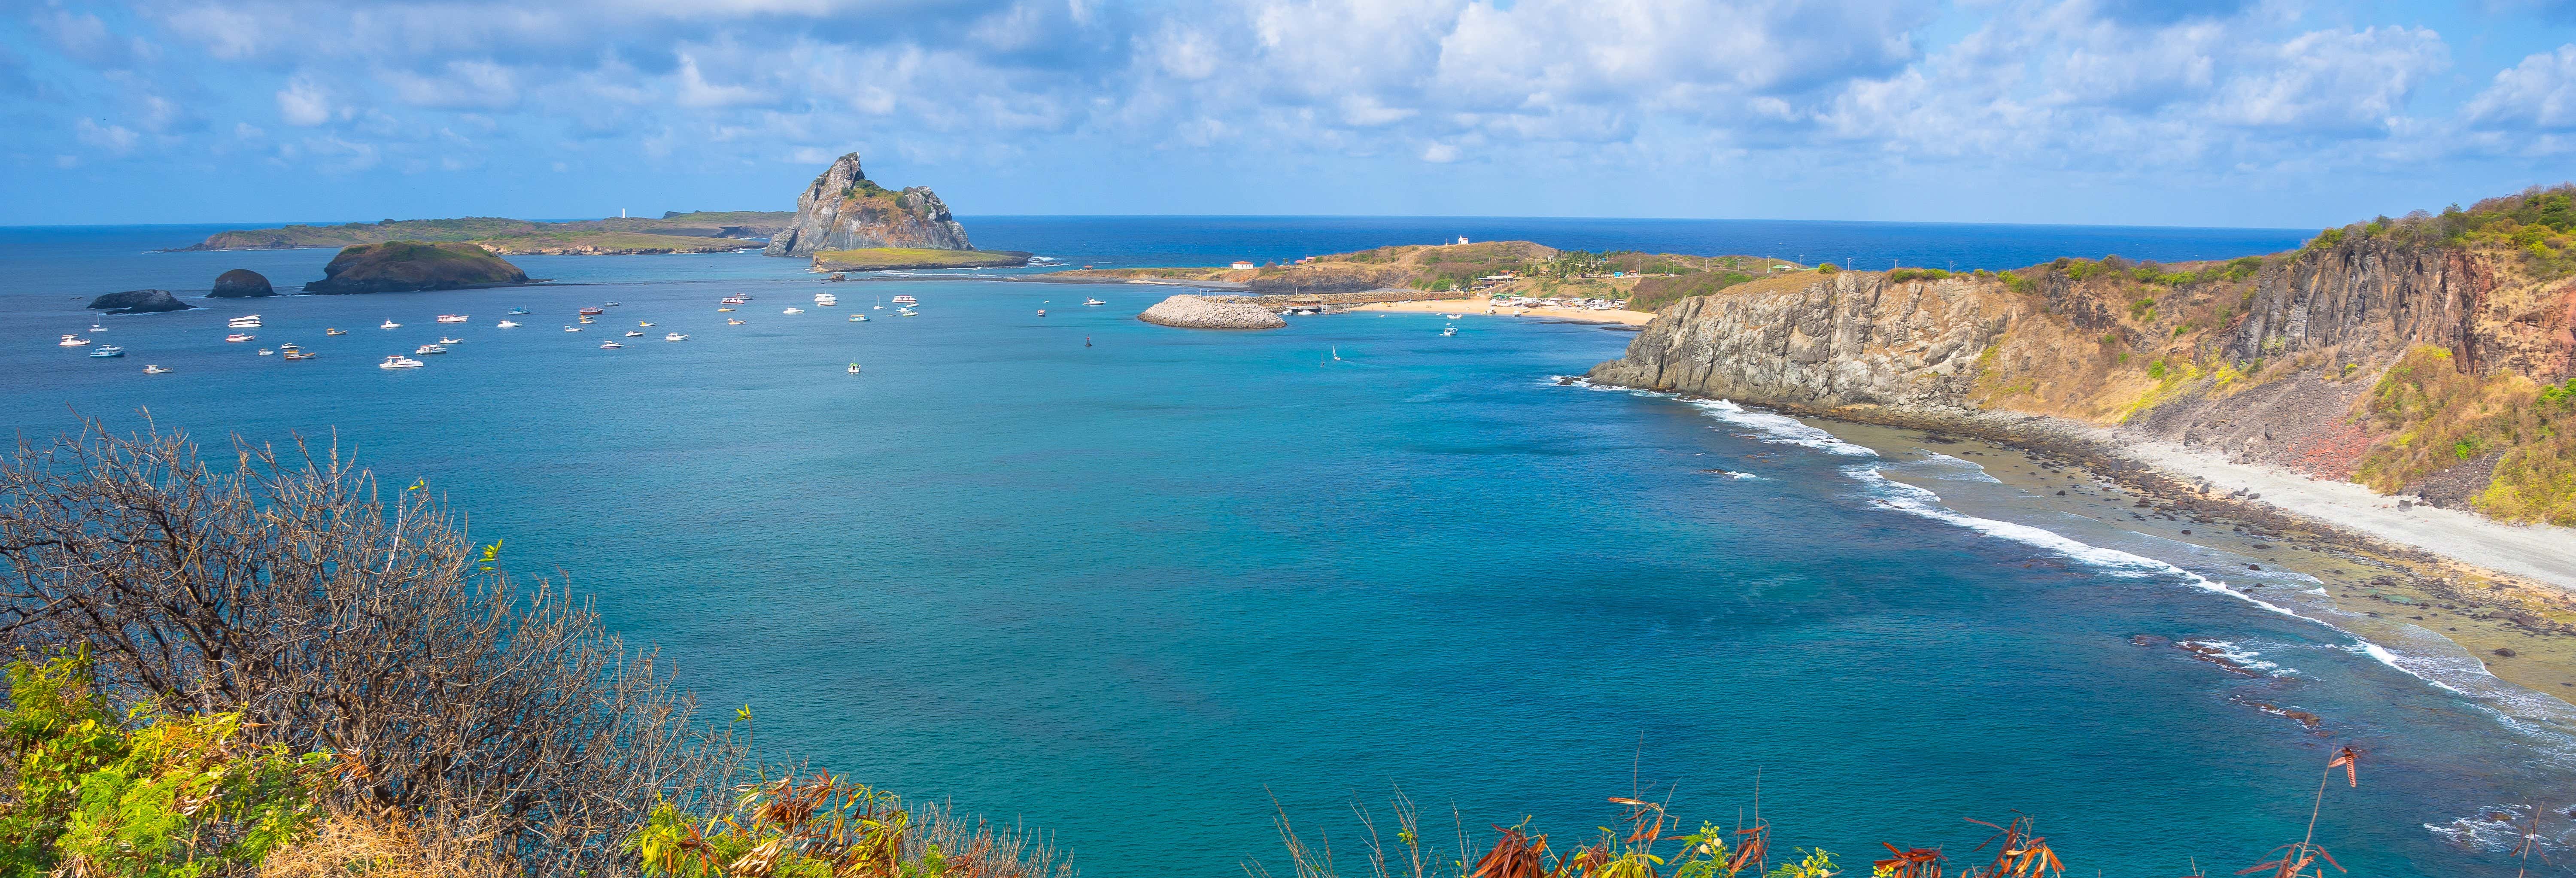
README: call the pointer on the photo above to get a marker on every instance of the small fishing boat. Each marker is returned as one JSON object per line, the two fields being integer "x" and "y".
{"x": 907, "y": 312}
{"x": 390, "y": 325}
{"x": 673, "y": 336}
{"x": 826, "y": 300}
{"x": 613, "y": 344}
{"x": 430, "y": 349}
{"x": 643, "y": 323}
{"x": 97, "y": 328}
{"x": 398, "y": 361}
{"x": 1451, "y": 316}
{"x": 301, "y": 355}
{"x": 453, "y": 318}
{"x": 608, "y": 304}
{"x": 858, "y": 318}
{"x": 1091, "y": 301}
{"x": 634, "y": 333}
{"x": 445, "y": 340}
{"x": 732, "y": 322}
{"x": 854, "y": 368}
{"x": 586, "y": 320}
{"x": 793, "y": 311}
{"x": 73, "y": 341}
{"x": 572, "y": 329}
{"x": 1447, "y": 331}
{"x": 266, "y": 352}
{"x": 722, "y": 310}
{"x": 239, "y": 337}
{"x": 516, "y": 311}
{"x": 329, "y": 330}
{"x": 904, "y": 300}
{"x": 289, "y": 347}
{"x": 507, "y": 324}
{"x": 108, "y": 350}
{"x": 1042, "y": 312}
{"x": 734, "y": 300}
{"x": 157, "y": 370}
{"x": 593, "y": 311}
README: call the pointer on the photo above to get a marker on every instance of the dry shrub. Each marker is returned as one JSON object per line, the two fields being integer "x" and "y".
{"x": 348, "y": 846}
{"x": 2442, "y": 417}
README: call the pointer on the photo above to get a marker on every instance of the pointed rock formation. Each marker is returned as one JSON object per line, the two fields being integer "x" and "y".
{"x": 844, "y": 210}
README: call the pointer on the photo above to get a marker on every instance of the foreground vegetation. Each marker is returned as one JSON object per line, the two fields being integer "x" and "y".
{"x": 268, "y": 669}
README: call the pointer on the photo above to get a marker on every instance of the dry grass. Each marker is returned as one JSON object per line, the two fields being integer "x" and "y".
{"x": 348, "y": 846}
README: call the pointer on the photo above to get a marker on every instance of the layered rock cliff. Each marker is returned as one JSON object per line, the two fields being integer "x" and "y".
{"x": 844, "y": 210}
{"x": 2408, "y": 360}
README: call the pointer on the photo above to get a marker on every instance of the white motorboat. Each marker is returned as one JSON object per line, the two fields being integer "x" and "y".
{"x": 157, "y": 370}
{"x": 301, "y": 355}
{"x": 905, "y": 300}
{"x": 398, "y": 361}
{"x": 1447, "y": 331}
{"x": 108, "y": 350}
{"x": 73, "y": 341}
{"x": 334, "y": 330}
{"x": 243, "y": 323}
{"x": 673, "y": 336}
{"x": 732, "y": 322}
{"x": 1451, "y": 316}
{"x": 854, "y": 368}
{"x": 430, "y": 349}
{"x": 793, "y": 311}
{"x": 634, "y": 333}
{"x": 826, "y": 300}
{"x": 858, "y": 318}
{"x": 453, "y": 318}
{"x": 643, "y": 323}
{"x": 1091, "y": 301}
{"x": 390, "y": 325}
{"x": 266, "y": 352}
{"x": 1042, "y": 312}
{"x": 508, "y": 324}
{"x": 289, "y": 347}
{"x": 614, "y": 344}
{"x": 572, "y": 329}
{"x": 239, "y": 337}
{"x": 445, "y": 340}
{"x": 97, "y": 328}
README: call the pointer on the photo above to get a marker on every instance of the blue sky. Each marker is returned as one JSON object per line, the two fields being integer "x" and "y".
{"x": 2197, "y": 112}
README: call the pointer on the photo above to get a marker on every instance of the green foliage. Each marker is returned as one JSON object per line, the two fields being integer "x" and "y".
{"x": 157, "y": 796}
{"x": 2156, "y": 369}
{"x": 2439, "y": 417}
{"x": 1828, "y": 268}
{"x": 1817, "y": 863}
{"x": 1575, "y": 263}
{"x": 818, "y": 828}
{"x": 1656, "y": 292}
{"x": 2019, "y": 282}
{"x": 1906, "y": 274}
{"x": 2326, "y": 238}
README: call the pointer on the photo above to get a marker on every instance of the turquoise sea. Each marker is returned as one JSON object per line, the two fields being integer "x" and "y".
{"x": 1128, "y": 584}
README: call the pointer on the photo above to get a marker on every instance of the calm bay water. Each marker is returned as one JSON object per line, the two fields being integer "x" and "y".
{"x": 1126, "y": 591}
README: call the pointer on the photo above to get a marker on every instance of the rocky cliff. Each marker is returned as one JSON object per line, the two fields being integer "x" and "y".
{"x": 2408, "y": 355}
{"x": 844, "y": 210}
{"x": 241, "y": 283}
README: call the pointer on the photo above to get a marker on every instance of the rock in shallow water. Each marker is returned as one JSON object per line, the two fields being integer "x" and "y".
{"x": 1197, "y": 312}
{"x": 139, "y": 302}
{"x": 241, "y": 283}
{"x": 396, "y": 266}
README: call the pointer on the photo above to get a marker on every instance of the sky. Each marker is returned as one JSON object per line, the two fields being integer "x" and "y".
{"x": 2282, "y": 114}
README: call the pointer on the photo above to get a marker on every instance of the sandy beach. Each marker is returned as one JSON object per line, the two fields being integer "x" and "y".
{"x": 2408, "y": 577}
{"x": 1483, "y": 308}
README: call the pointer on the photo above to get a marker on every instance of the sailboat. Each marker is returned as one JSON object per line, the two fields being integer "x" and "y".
{"x": 880, "y": 303}
{"x": 1337, "y": 355}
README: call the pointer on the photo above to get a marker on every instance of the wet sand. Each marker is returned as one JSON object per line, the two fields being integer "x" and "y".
{"x": 2505, "y": 622}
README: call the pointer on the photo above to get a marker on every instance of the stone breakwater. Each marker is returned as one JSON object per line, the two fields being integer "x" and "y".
{"x": 1200, "y": 312}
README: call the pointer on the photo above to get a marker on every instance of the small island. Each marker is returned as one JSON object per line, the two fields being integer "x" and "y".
{"x": 139, "y": 302}
{"x": 402, "y": 266}
{"x": 886, "y": 258}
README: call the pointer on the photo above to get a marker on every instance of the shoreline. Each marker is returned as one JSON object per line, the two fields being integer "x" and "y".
{"x": 1482, "y": 308}
{"x": 2510, "y": 625}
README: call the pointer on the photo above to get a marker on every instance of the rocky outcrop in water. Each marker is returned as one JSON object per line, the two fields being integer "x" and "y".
{"x": 844, "y": 210}
{"x": 400, "y": 266}
{"x": 1852, "y": 338}
{"x": 1198, "y": 312}
{"x": 139, "y": 302}
{"x": 241, "y": 283}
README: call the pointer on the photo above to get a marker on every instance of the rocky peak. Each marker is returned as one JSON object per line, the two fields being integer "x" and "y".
{"x": 844, "y": 210}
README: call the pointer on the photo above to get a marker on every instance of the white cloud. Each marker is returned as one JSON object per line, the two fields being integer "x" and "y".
{"x": 2539, "y": 93}
{"x": 303, "y": 103}
{"x": 1441, "y": 153}
{"x": 114, "y": 139}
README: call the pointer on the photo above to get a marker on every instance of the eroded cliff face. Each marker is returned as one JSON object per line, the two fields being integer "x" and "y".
{"x": 1852, "y": 338}
{"x": 843, "y": 210}
{"x": 2264, "y": 360}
